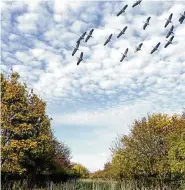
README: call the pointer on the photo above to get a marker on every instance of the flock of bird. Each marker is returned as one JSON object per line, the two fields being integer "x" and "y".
{"x": 138, "y": 48}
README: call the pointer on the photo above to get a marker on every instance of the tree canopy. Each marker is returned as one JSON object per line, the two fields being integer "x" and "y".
{"x": 28, "y": 146}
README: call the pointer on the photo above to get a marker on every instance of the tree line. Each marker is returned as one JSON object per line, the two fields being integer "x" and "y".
{"x": 29, "y": 150}
{"x": 153, "y": 151}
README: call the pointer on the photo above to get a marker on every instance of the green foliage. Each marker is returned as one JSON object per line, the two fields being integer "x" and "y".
{"x": 81, "y": 170}
{"x": 154, "y": 149}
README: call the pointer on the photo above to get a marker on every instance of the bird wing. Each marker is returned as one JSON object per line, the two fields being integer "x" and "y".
{"x": 140, "y": 45}
{"x": 168, "y": 34}
{"x": 152, "y": 50}
{"x": 119, "y": 12}
{"x": 167, "y": 22}
{"x": 135, "y": 4}
{"x": 74, "y": 51}
{"x": 148, "y": 19}
{"x": 171, "y": 38}
{"x": 119, "y": 34}
{"x": 87, "y": 38}
{"x": 126, "y": 51}
{"x": 125, "y": 7}
{"x": 83, "y": 34}
{"x": 166, "y": 44}
{"x": 81, "y": 55}
{"x": 91, "y": 31}
{"x": 170, "y": 17}
{"x": 144, "y": 27}
{"x": 78, "y": 62}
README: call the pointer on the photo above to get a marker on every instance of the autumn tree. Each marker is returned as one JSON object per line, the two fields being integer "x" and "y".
{"x": 154, "y": 149}
{"x": 28, "y": 147}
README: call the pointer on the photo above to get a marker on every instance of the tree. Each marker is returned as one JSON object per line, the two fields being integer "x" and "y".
{"x": 155, "y": 148}
{"x": 27, "y": 145}
{"x": 81, "y": 170}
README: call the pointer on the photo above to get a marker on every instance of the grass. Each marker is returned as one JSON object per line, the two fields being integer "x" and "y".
{"x": 101, "y": 185}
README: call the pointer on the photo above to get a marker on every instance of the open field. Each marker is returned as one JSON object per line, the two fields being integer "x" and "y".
{"x": 104, "y": 185}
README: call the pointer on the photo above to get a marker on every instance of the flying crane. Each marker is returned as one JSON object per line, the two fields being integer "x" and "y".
{"x": 122, "y": 32}
{"x": 146, "y": 23}
{"x": 76, "y": 48}
{"x": 139, "y": 47}
{"x": 169, "y": 20}
{"x": 80, "y": 58}
{"x": 156, "y": 47}
{"x": 89, "y": 35}
{"x": 122, "y": 10}
{"x": 169, "y": 42}
{"x": 137, "y": 3}
{"x": 124, "y": 55}
{"x": 108, "y": 40}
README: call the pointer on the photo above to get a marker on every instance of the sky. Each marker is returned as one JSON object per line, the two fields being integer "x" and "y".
{"x": 94, "y": 102}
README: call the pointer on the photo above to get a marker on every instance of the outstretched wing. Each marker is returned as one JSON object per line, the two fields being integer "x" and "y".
{"x": 167, "y": 44}
{"x": 170, "y": 17}
{"x": 135, "y": 4}
{"x": 124, "y": 29}
{"x": 83, "y": 35}
{"x": 168, "y": 34}
{"x": 144, "y": 27}
{"x": 157, "y": 45}
{"x": 91, "y": 32}
{"x": 124, "y": 8}
{"x": 120, "y": 12}
{"x": 148, "y": 19}
{"x": 171, "y": 38}
{"x": 106, "y": 42}
{"x": 119, "y": 34}
{"x": 153, "y": 50}
{"x": 87, "y": 38}
{"x": 140, "y": 45}
{"x": 167, "y": 22}
{"x": 81, "y": 55}
{"x": 126, "y": 51}
{"x": 74, "y": 51}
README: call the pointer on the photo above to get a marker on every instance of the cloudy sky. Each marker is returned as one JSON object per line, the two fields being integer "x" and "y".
{"x": 94, "y": 102}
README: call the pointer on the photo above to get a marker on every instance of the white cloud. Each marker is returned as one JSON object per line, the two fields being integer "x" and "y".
{"x": 118, "y": 91}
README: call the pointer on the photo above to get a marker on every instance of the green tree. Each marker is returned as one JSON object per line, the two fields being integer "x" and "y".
{"x": 81, "y": 170}
{"x": 153, "y": 149}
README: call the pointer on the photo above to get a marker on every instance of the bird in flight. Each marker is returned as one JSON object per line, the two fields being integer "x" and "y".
{"x": 139, "y": 47}
{"x": 146, "y": 23}
{"x": 155, "y": 48}
{"x": 80, "y": 58}
{"x": 169, "y": 20}
{"x": 122, "y": 32}
{"x": 137, "y": 3}
{"x": 108, "y": 40}
{"x": 122, "y": 10}
{"x": 124, "y": 55}
{"x": 89, "y": 35}
{"x": 169, "y": 42}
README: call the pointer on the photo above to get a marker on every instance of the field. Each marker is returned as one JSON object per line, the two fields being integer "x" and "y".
{"x": 104, "y": 185}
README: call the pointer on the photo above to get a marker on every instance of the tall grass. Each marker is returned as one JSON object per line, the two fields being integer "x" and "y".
{"x": 101, "y": 185}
